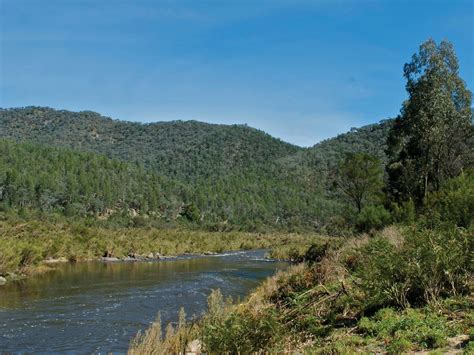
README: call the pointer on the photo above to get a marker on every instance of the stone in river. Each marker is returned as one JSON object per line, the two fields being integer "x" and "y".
{"x": 3, "y": 280}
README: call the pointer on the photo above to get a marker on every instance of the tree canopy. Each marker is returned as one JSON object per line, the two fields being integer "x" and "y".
{"x": 430, "y": 140}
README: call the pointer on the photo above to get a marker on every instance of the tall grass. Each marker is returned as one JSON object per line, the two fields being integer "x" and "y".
{"x": 24, "y": 245}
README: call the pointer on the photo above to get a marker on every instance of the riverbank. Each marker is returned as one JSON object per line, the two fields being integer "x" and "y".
{"x": 33, "y": 247}
{"x": 397, "y": 291}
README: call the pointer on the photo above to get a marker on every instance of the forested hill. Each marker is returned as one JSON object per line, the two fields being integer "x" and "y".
{"x": 370, "y": 139}
{"x": 77, "y": 183}
{"x": 227, "y": 174}
{"x": 184, "y": 150}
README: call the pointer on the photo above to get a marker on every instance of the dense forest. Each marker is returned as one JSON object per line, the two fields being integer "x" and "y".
{"x": 218, "y": 176}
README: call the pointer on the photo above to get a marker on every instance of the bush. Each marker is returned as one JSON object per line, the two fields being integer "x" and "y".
{"x": 453, "y": 203}
{"x": 372, "y": 217}
{"x": 438, "y": 262}
{"x": 428, "y": 265}
{"x": 383, "y": 275}
{"x": 411, "y": 329}
{"x": 404, "y": 212}
{"x": 316, "y": 252}
{"x": 29, "y": 255}
{"x": 237, "y": 332}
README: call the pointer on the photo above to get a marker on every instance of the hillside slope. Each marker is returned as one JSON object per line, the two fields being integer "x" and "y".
{"x": 48, "y": 179}
{"x": 183, "y": 150}
{"x": 235, "y": 175}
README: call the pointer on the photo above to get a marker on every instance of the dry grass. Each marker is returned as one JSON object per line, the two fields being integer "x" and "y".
{"x": 25, "y": 245}
{"x": 175, "y": 341}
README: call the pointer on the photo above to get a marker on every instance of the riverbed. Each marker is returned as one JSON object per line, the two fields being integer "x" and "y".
{"x": 99, "y": 307}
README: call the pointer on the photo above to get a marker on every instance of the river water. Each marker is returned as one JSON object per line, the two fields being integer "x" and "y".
{"x": 99, "y": 307}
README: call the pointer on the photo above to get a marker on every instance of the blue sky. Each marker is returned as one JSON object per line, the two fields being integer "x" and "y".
{"x": 300, "y": 70}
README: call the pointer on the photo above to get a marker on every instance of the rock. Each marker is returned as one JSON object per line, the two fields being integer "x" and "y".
{"x": 56, "y": 261}
{"x": 112, "y": 259}
{"x": 150, "y": 256}
{"x": 158, "y": 256}
{"x": 459, "y": 341}
{"x": 209, "y": 253}
{"x": 3, "y": 280}
{"x": 194, "y": 347}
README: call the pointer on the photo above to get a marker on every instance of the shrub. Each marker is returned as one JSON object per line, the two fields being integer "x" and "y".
{"x": 404, "y": 212}
{"x": 316, "y": 252}
{"x": 454, "y": 202}
{"x": 372, "y": 217}
{"x": 237, "y": 332}
{"x": 29, "y": 255}
{"x": 438, "y": 263}
{"x": 411, "y": 329}
{"x": 383, "y": 275}
{"x": 428, "y": 265}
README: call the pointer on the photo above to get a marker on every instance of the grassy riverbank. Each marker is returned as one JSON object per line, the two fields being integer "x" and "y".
{"x": 403, "y": 289}
{"x": 27, "y": 244}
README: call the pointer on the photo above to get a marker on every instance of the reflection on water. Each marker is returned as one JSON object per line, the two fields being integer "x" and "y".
{"x": 99, "y": 307}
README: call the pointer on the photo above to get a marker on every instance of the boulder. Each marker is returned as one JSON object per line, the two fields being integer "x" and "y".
{"x": 150, "y": 256}
{"x": 3, "y": 280}
{"x": 109, "y": 259}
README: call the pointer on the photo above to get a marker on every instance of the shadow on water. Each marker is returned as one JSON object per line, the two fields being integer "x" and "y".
{"x": 99, "y": 307}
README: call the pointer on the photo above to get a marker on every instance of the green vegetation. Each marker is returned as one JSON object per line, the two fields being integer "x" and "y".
{"x": 387, "y": 268}
{"x": 234, "y": 177}
{"x": 430, "y": 141}
{"x": 400, "y": 288}
{"x": 391, "y": 292}
{"x": 26, "y": 244}
{"x": 51, "y": 180}
{"x": 359, "y": 178}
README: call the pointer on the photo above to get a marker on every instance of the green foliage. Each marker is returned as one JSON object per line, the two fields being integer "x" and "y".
{"x": 454, "y": 202}
{"x": 372, "y": 217}
{"x": 25, "y": 244}
{"x": 233, "y": 332}
{"x": 383, "y": 274}
{"x": 191, "y": 212}
{"x": 78, "y": 184}
{"x": 428, "y": 265}
{"x": 316, "y": 252}
{"x": 236, "y": 176}
{"x": 404, "y": 212}
{"x": 360, "y": 179}
{"x": 431, "y": 140}
{"x": 409, "y": 330}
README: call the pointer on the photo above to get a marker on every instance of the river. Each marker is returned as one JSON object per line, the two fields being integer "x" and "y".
{"x": 99, "y": 307}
